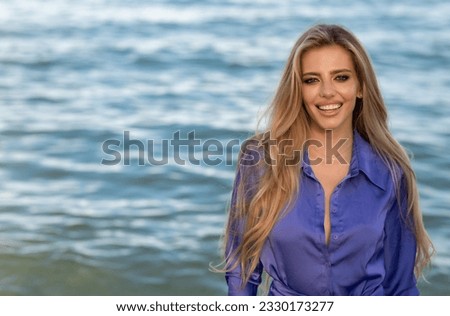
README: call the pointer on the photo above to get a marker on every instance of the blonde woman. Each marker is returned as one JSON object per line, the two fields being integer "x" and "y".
{"x": 325, "y": 200}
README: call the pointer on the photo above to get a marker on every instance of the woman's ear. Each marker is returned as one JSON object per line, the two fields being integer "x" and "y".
{"x": 359, "y": 94}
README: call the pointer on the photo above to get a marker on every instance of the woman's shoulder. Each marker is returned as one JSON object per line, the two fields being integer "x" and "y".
{"x": 381, "y": 169}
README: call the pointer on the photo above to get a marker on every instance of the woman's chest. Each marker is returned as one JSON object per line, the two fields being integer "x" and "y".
{"x": 357, "y": 211}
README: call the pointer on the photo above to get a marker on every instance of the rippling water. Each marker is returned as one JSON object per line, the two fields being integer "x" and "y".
{"x": 78, "y": 73}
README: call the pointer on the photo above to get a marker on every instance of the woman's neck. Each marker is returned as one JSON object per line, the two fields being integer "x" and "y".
{"x": 330, "y": 146}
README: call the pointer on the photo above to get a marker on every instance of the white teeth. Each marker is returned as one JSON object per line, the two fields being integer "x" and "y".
{"x": 329, "y": 107}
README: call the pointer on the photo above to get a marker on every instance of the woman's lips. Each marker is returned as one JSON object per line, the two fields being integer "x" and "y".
{"x": 329, "y": 107}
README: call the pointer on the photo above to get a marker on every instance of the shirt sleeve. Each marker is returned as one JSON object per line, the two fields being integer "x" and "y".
{"x": 399, "y": 250}
{"x": 234, "y": 276}
{"x": 235, "y": 287}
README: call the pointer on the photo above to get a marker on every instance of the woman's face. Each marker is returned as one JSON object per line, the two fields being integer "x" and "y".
{"x": 329, "y": 88}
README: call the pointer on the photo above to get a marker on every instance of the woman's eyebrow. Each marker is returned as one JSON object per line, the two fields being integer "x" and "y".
{"x": 331, "y": 72}
{"x": 340, "y": 70}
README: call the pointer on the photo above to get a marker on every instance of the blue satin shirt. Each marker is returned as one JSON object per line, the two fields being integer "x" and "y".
{"x": 371, "y": 249}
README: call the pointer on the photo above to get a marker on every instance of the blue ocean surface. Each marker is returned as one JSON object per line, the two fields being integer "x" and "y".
{"x": 79, "y": 76}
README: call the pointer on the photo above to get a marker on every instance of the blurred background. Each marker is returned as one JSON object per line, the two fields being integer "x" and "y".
{"x": 77, "y": 73}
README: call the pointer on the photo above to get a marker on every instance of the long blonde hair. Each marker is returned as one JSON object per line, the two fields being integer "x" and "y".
{"x": 259, "y": 201}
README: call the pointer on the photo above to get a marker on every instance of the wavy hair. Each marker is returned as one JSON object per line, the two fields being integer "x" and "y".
{"x": 259, "y": 201}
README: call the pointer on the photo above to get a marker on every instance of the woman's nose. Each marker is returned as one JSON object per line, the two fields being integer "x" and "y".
{"x": 327, "y": 89}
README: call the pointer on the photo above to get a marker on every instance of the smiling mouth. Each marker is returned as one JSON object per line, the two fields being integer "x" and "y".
{"x": 329, "y": 107}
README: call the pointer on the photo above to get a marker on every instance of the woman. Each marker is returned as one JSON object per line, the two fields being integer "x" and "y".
{"x": 325, "y": 200}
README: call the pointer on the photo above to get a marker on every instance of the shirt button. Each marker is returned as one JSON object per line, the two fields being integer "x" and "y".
{"x": 333, "y": 210}
{"x": 335, "y": 237}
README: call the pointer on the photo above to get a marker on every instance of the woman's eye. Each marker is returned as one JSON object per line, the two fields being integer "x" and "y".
{"x": 342, "y": 78}
{"x": 309, "y": 80}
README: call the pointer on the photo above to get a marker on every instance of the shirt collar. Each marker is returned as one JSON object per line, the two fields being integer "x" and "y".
{"x": 364, "y": 159}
